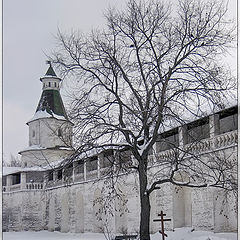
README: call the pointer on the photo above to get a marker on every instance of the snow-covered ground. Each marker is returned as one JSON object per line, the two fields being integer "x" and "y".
{"x": 178, "y": 234}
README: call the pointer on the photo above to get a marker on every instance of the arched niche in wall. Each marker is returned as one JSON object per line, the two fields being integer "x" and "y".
{"x": 121, "y": 223}
{"x": 182, "y": 207}
{"x": 98, "y": 211}
{"x": 79, "y": 212}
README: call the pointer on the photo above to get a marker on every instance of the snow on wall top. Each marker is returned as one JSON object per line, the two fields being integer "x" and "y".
{"x": 12, "y": 170}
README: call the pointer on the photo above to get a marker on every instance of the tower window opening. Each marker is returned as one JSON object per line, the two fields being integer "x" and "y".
{"x": 55, "y": 84}
{"x": 60, "y": 132}
{"x": 49, "y": 84}
{"x": 59, "y": 174}
{"x": 33, "y": 133}
{"x": 50, "y": 176}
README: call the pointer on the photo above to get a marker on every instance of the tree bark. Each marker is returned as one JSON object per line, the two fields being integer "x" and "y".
{"x": 145, "y": 202}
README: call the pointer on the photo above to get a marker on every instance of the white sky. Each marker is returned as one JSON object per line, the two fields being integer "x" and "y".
{"x": 28, "y": 32}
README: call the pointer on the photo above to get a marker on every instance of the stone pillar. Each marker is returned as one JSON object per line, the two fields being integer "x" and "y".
{"x": 9, "y": 182}
{"x": 45, "y": 179}
{"x": 214, "y": 125}
{"x": 182, "y": 132}
{"x": 23, "y": 180}
{"x": 154, "y": 148}
{"x": 54, "y": 176}
{"x": 100, "y": 161}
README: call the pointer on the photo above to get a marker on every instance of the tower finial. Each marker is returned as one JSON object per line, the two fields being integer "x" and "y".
{"x": 50, "y": 71}
{"x": 49, "y": 62}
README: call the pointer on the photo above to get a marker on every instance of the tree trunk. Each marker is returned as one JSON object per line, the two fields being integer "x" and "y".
{"x": 145, "y": 203}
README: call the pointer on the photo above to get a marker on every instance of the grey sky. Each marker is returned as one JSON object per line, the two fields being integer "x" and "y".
{"x": 29, "y": 27}
{"x": 28, "y": 32}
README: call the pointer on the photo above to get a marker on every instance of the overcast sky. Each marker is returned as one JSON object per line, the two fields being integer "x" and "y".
{"x": 29, "y": 27}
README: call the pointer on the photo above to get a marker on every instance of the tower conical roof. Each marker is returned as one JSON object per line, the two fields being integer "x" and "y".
{"x": 50, "y": 72}
{"x": 51, "y": 101}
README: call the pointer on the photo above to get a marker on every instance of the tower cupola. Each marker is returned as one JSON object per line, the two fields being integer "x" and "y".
{"x": 50, "y": 79}
{"x": 50, "y": 131}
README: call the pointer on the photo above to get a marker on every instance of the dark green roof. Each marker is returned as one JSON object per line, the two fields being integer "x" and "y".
{"x": 50, "y": 71}
{"x": 51, "y": 101}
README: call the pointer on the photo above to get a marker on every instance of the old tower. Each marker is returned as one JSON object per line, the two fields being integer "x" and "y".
{"x": 50, "y": 131}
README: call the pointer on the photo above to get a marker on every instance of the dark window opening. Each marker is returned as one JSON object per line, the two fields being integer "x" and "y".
{"x": 50, "y": 176}
{"x": 49, "y": 84}
{"x": 124, "y": 156}
{"x": 34, "y": 176}
{"x": 55, "y": 84}
{"x": 108, "y": 159}
{"x": 59, "y": 174}
{"x": 16, "y": 178}
{"x": 198, "y": 130}
{"x": 92, "y": 163}
{"x": 68, "y": 171}
{"x": 79, "y": 167}
{"x": 228, "y": 120}
{"x": 4, "y": 180}
{"x": 59, "y": 132}
{"x": 167, "y": 140}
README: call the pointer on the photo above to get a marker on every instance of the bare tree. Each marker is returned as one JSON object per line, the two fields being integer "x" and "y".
{"x": 14, "y": 162}
{"x": 153, "y": 67}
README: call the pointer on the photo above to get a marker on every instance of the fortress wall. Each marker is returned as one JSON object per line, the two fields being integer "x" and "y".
{"x": 73, "y": 208}
{"x": 24, "y": 210}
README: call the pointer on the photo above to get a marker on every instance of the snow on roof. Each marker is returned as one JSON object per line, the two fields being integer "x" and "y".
{"x": 66, "y": 148}
{"x": 38, "y": 147}
{"x": 44, "y": 114}
{"x": 12, "y": 170}
{"x": 33, "y": 147}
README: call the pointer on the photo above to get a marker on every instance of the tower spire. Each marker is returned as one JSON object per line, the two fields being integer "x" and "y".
{"x": 50, "y": 71}
{"x": 51, "y": 100}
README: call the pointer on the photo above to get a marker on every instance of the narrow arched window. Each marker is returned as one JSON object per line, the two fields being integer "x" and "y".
{"x": 49, "y": 84}
{"x": 60, "y": 132}
{"x": 55, "y": 84}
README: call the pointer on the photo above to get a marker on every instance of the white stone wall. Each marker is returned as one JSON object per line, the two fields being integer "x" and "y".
{"x": 46, "y": 132}
{"x": 42, "y": 157}
{"x": 24, "y": 211}
{"x": 72, "y": 209}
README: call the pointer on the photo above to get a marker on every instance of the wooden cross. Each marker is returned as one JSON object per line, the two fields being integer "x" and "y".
{"x": 162, "y": 224}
